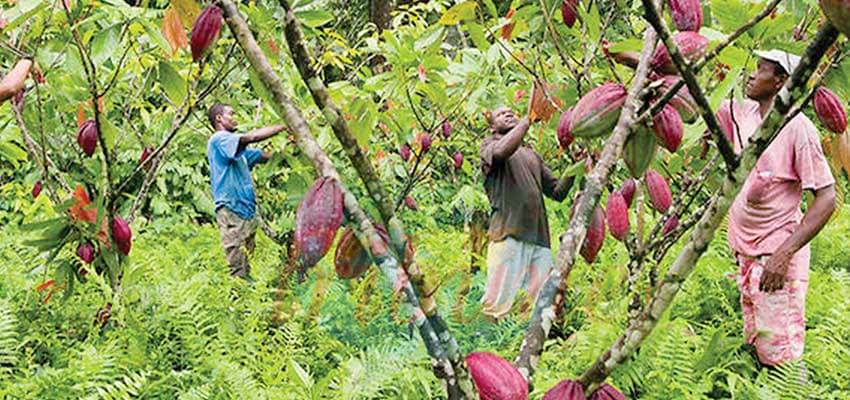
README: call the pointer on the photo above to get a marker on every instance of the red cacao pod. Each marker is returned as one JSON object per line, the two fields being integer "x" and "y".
{"x": 595, "y": 236}
{"x": 458, "y": 160}
{"x": 566, "y": 389}
{"x": 447, "y": 129}
{"x": 618, "y": 216}
{"x": 317, "y": 220}
{"x": 829, "y": 110}
{"x": 410, "y": 203}
{"x": 639, "y": 150}
{"x": 564, "y": 136}
{"x": 122, "y": 235}
{"x": 569, "y": 11}
{"x": 36, "y": 189}
{"x": 692, "y": 45}
{"x": 670, "y": 224}
{"x": 86, "y": 252}
{"x": 404, "y": 151}
{"x": 687, "y": 14}
{"x": 424, "y": 142}
{"x": 145, "y": 154}
{"x": 597, "y": 112}
{"x": 87, "y": 137}
{"x": 351, "y": 260}
{"x": 628, "y": 191}
{"x": 659, "y": 191}
{"x": 205, "y": 32}
{"x": 683, "y": 102}
{"x": 668, "y": 128}
{"x": 838, "y": 13}
{"x": 495, "y": 378}
{"x": 607, "y": 392}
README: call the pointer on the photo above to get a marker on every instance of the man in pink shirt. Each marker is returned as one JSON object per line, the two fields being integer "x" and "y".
{"x": 768, "y": 232}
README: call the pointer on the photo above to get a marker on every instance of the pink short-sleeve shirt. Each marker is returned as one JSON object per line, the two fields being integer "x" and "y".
{"x": 767, "y": 210}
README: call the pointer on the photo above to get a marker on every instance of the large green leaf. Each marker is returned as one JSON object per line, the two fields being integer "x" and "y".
{"x": 106, "y": 44}
{"x": 459, "y": 12}
{"x": 171, "y": 81}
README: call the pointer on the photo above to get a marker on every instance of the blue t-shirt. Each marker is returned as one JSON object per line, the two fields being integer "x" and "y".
{"x": 230, "y": 174}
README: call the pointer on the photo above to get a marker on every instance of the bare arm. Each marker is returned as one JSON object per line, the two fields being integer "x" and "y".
{"x": 556, "y": 189}
{"x": 267, "y": 155}
{"x": 813, "y": 221}
{"x": 258, "y": 135}
{"x": 13, "y": 82}
{"x": 507, "y": 144}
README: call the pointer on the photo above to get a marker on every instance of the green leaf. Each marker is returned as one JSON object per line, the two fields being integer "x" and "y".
{"x": 156, "y": 35}
{"x": 491, "y": 7}
{"x": 171, "y": 81}
{"x": 476, "y": 33}
{"x": 37, "y": 226}
{"x": 627, "y": 45}
{"x": 459, "y": 12}
{"x": 314, "y": 18}
{"x": 105, "y": 43}
{"x": 430, "y": 38}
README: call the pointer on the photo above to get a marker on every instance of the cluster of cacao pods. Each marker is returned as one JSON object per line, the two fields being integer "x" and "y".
{"x": 205, "y": 32}
{"x": 569, "y": 389}
{"x": 317, "y": 219}
{"x": 495, "y": 378}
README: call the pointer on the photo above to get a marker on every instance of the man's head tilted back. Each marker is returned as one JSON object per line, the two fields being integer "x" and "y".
{"x": 774, "y": 68}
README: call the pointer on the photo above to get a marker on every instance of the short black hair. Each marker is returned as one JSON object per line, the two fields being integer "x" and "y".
{"x": 778, "y": 69}
{"x": 216, "y": 110}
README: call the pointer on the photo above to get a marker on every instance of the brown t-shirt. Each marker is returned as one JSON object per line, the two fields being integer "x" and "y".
{"x": 515, "y": 188}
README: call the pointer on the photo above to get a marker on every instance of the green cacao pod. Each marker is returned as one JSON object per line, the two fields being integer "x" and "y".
{"x": 639, "y": 150}
{"x": 597, "y": 112}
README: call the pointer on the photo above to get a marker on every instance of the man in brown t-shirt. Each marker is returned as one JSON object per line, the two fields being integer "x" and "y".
{"x": 516, "y": 180}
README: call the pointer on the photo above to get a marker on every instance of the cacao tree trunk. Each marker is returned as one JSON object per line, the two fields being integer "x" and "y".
{"x": 702, "y": 235}
{"x": 544, "y": 309}
{"x": 367, "y": 234}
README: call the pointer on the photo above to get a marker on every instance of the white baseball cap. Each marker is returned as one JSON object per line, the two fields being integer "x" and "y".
{"x": 787, "y": 61}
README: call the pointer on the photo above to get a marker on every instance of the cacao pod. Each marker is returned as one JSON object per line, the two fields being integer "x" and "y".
{"x": 628, "y": 191}
{"x": 659, "y": 191}
{"x": 36, "y": 189}
{"x": 670, "y": 224}
{"x": 692, "y": 45}
{"x": 145, "y": 154}
{"x": 829, "y": 110}
{"x": 18, "y": 99}
{"x": 317, "y": 219}
{"x": 618, "y": 216}
{"x": 668, "y": 128}
{"x": 447, "y": 129}
{"x": 122, "y": 235}
{"x": 87, "y": 137}
{"x": 495, "y": 378}
{"x": 410, "y": 203}
{"x": 352, "y": 260}
{"x": 569, "y": 11}
{"x": 595, "y": 236}
{"x": 86, "y": 252}
{"x": 424, "y": 142}
{"x": 683, "y": 102}
{"x": 687, "y": 14}
{"x": 639, "y": 150}
{"x": 564, "y": 137}
{"x": 404, "y": 152}
{"x": 838, "y": 13}
{"x": 566, "y": 389}
{"x": 458, "y": 160}
{"x": 607, "y": 392}
{"x": 597, "y": 112}
{"x": 205, "y": 32}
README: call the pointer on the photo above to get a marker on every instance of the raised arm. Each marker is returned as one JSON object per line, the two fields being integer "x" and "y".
{"x": 258, "y": 135}
{"x": 507, "y": 144}
{"x": 13, "y": 82}
{"x": 554, "y": 188}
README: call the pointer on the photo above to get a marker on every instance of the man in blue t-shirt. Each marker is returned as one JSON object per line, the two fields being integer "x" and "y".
{"x": 233, "y": 189}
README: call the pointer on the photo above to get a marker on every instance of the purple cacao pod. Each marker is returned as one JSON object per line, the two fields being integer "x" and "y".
{"x": 205, "y": 32}
{"x": 87, "y": 137}
{"x": 495, "y": 378}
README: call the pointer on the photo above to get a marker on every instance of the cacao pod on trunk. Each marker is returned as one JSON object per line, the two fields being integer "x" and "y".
{"x": 683, "y": 102}
{"x": 566, "y": 389}
{"x": 639, "y": 150}
{"x": 687, "y": 14}
{"x": 659, "y": 191}
{"x": 607, "y": 392}
{"x": 670, "y": 224}
{"x": 618, "y": 216}
{"x": 122, "y": 235}
{"x": 569, "y": 11}
{"x": 458, "y": 160}
{"x": 86, "y": 252}
{"x": 205, "y": 32}
{"x": 829, "y": 110}
{"x": 36, "y": 189}
{"x": 87, "y": 137}
{"x": 692, "y": 45}
{"x": 404, "y": 152}
{"x": 410, "y": 203}
{"x": 838, "y": 13}
{"x": 495, "y": 378}
{"x": 668, "y": 128}
{"x": 424, "y": 142}
{"x": 597, "y": 112}
{"x": 447, "y": 129}
{"x": 563, "y": 132}
{"x": 317, "y": 220}
{"x": 352, "y": 260}
{"x": 628, "y": 191}
{"x": 595, "y": 236}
